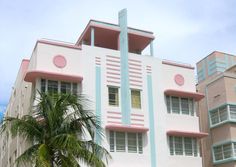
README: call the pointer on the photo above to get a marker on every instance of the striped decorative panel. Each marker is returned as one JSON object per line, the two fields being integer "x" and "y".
{"x": 137, "y": 119}
{"x": 113, "y": 70}
{"x": 98, "y": 61}
{"x": 135, "y": 73}
{"x": 149, "y": 69}
{"x": 114, "y": 117}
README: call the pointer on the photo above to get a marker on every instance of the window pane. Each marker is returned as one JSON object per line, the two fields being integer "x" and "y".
{"x": 214, "y": 117}
{"x": 232, "y": 111}
{"x": 65, "y": 87}
{"x": 188, "y": 146}
{"x": 132, "y": 143}
{"x": 184, "y": 106}
{"x": 195, "y": 147}
{"x": 175, "y": 105}
{"x": 218, "y": 153}
{"x": 227, "y": 150}
{"x": 223, "y": 113}
{"x": 43, "y": 85}
{"x": 120, "y": 141}
{"x": 168, "y": 103}
{"x": 171, "y": 145}
{"x": 135, "y": 99}
{"x": 52, "y": 86}
{"x": 74, "y": 88}
{"x": 234, "y": 149}
{"x": 140, "y": 143}
{"x": 191, "y": 106}
{"x": 113, "y": 96}
{"x": 112, "y": 141}
{"x": 178, "y": 145}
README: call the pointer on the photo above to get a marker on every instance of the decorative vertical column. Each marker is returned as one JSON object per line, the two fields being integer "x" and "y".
{"x": 92, "y": 36}
{"x": 124, "y": 49}
{"x": 151, "y": 49}
{"x": 98, "y": 96}
{"x": 151, "y": 118}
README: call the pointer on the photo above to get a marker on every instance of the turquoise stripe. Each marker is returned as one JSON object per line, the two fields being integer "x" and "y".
{"x": 98, "y": 101}
{"x": 151, "y": 122}
{"x": 92, "y": 37}
{"x": 151, "y": 49}
{"x": 125, "y": 91}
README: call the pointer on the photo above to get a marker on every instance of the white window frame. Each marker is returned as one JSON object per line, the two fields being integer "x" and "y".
{"x": 191, "y": 109}
{"x": 118, "y": 103}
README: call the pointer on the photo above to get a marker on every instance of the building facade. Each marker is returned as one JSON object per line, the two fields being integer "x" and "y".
{"x": 147, "y": 106}
{"x": 217, "y": 80}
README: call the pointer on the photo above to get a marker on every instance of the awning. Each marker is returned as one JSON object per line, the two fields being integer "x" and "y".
{"x": 32, "y": 75}
{"x": 186, "y": 133}
{"x": 172, "y": 92}
{"x": 125, "y": 128}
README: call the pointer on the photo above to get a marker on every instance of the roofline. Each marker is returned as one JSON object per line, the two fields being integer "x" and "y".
{"x": 213, "y": 53}
{"x": 112, "y": 24}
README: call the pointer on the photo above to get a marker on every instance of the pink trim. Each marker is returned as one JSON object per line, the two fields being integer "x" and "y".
{"x": 136, "y": 81}
{"x": 134, "y": 72}
{"x": 113, "y": 61}
{"x": 111, "y": 77}
{"x": 112, "y": 73}
{"x": 113, "y": 82}
{"x": 135, "y": 85}
{"x": 32, "y": 75}
{"x": 59, "y": 44}
{"x": 59, "y": 61}
{"x": 113, "y": 112}
{"x": 133, "y": 68}
{"x": 132, "y": 60}
{"x": 109, "y": 64}
{"x": 186, "y": 134}
{"x": 113, "y": 69}
{"x": 135, "y": 119}
{"x": 135, "y": 76}
{"x": 133, "y": 64}
{"x": 137, "y": 124}
{"x": 113, "y": 57}
{"x": 138, "y": 115}
{"x": 24, "y": 66}
{"x": 179, "y": 93}
{"x": 126, "y": 128}
{"x": 113, "y": 122}
{"x": 177, "y": 64}
{"x": 114, "y": 117}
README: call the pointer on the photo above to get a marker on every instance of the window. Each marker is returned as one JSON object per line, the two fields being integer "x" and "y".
{"x": 232, "y": 111}
{"x": 219, "y": 115}
{"x": 224, "y": 151}
{"x": 135, "y": 98}
{"x": 126, "y": 142}
{"x": 179, "y": 105}
{"x": 113, "y": 95}
{"x": 186, "y": 146}
{"x": 58, "y": 87}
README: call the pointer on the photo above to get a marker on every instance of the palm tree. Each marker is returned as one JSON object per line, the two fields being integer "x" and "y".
{"x": 61, "y": 131}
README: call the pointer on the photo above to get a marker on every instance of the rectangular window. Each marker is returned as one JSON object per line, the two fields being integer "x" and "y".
{"x": 219, "y": 115}
{"x": 52, "y": 86}
{"x": 175, "y": 105}
{"x": 113, "y": 95}
{"x": 126, "y": 142}
{"x": 74, "y": 88}
{"x": 186, "y": 146}
{"x": 224, "y": 151}
{"x": 223, "y": 113}
{"x": 135, "y": 99}
{"x": 227, "y": 150}
{"x": 132, "y": 143}
{"x": 218, "y": 153}
{"x": 65, "y": 87}
{"x": 232, "y": 111}
{"x": 184, "y": 106}
{"x": 214, "y": 117}
{"x": 43, "y": 85}
{"x": 120, "y": 141}
{"x": 168, "y": 104}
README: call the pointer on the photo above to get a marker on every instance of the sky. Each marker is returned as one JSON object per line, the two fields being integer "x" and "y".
{"x": 185, "y": 30}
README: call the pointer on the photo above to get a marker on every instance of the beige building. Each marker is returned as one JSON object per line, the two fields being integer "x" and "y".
{"x": 217, "y": 111}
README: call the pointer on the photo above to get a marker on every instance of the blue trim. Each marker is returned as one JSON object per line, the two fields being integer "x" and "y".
{"x": 92, "y": 37}
{"x": 125, "y": 91}
{"x": 98, "y": 101}
{"x": 151, "y": 49}
{"x": 151, "y": 121}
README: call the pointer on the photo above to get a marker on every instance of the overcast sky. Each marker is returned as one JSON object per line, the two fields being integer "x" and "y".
{"x": 185, "y": 30}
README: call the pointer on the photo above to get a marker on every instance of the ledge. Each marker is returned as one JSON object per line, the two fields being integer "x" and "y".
{"x": 125, "y": 128}
{"x": 196, "y": 96}
{"x": 32, "y": 75}
{"x": 187, "y": 133}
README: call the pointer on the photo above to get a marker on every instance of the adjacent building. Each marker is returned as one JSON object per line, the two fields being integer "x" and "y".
{"x": 217, "y": 111}
{"x": 147, "y": 105}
